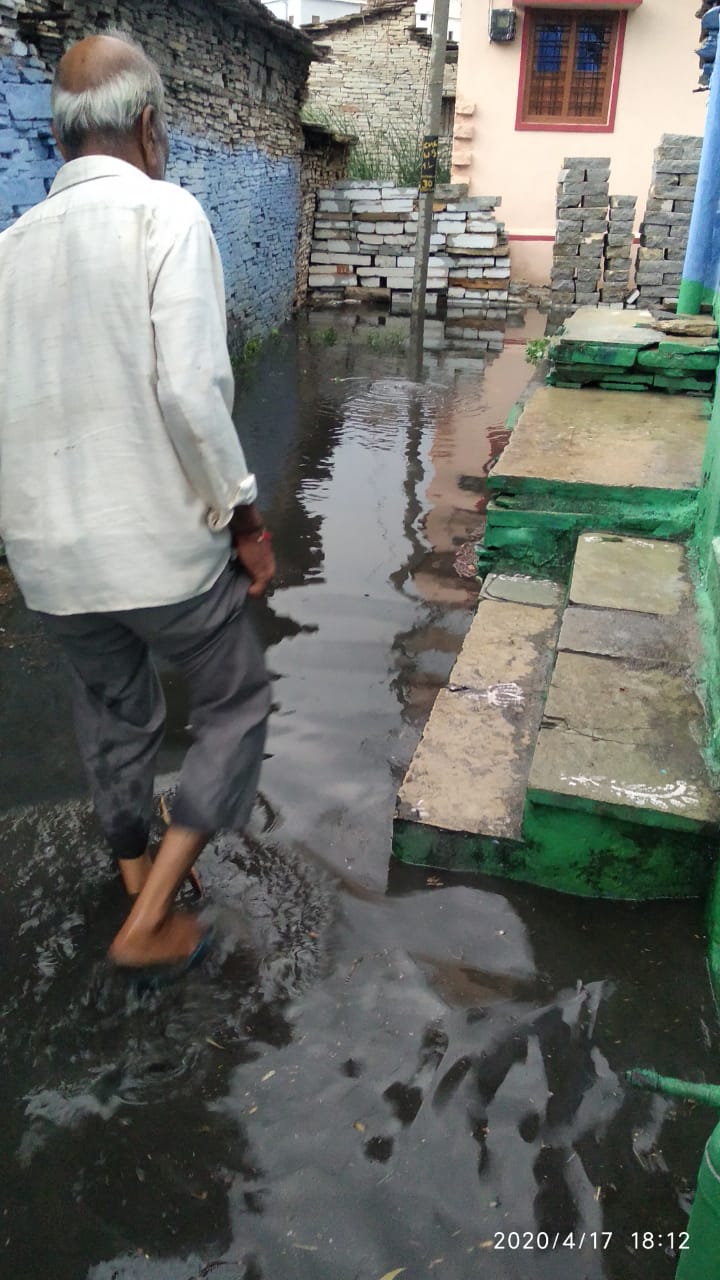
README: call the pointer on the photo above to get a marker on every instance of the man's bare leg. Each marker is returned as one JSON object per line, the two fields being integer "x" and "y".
{"x": 135, "y": 872}
{"x": 153, "y": 933}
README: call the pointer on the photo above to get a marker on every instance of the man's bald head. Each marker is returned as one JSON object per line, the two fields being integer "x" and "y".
{"x": 104, "y": 87}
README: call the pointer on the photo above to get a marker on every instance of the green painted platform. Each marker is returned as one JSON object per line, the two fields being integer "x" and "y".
{"x": 586, "y": 458}
{"x": 621, "y": 350}
{"x": 588, "y": 775}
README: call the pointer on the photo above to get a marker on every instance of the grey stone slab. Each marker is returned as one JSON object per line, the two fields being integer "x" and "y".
{"x": 642, "y": 575}
{"x": 522, "y": 589}
{"x": 470, "y": 771}
{"x": 616, "y": 438}
{"x": 658, "y": 640}
{"x": 590, "y": 325}
{"x": 624, "y": 738}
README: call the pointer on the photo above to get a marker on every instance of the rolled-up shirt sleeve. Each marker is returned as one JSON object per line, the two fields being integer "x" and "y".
{"x": 195, "y": 384}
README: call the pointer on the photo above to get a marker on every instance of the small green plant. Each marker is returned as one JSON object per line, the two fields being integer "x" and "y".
{"x": 328, "y": 337}
{"x": 387, "y": 340}
{"x": 244, "y": 358}
{"x": 536, "y": 350}
{"x": 380, "y": 153}
{"x": 252, "y": 349}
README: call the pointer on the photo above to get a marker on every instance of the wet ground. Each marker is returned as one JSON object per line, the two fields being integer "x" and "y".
{"x": 382, "y": 1071}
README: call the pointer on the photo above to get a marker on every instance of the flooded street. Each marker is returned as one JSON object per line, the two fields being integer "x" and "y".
{"x": 379, "y": 1070}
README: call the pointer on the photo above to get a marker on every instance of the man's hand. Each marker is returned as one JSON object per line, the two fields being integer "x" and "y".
{"x": 254, "y": 551}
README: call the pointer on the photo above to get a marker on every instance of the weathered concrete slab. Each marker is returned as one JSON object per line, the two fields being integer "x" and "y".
{"x": 642, "y": 575}
{"x": 616, "y": 439}
{"x": 522, "y": 589}
{"x": 469, "y": 773}
{"x": 624, "y": 739}
{"x": 668, "y": 640}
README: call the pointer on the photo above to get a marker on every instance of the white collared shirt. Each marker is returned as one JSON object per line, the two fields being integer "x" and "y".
{"x": 119, "y": 461}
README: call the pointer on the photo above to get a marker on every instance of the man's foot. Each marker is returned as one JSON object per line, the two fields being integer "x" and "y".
{"x": 169, "y": 943}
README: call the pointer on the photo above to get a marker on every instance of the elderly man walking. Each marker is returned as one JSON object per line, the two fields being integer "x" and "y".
{"x": 123, "y": 487}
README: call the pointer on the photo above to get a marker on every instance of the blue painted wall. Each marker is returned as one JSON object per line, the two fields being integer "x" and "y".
{"x": 252, "y": 199}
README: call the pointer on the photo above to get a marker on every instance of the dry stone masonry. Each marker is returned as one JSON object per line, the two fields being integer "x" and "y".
{"x": 582, "y": 210}
{"x": 364, "y": 250}
{"x": 235, "y": 79}
{"x": 664, "y": 231}
{"x": 373, "y": 80}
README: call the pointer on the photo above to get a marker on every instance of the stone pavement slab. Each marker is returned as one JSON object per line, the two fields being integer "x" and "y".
{"x": 590, "y": 324}
{"x": 626, "y": 739}
{"x": 638, "y": 574}
{"x": 469, "y": 773}
{"x": 522, "y": 589}
{"x": 667, "y": 640}
{"x": 618, "y": 439}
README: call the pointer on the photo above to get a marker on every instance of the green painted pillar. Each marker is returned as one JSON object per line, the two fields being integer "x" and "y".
{"x": 701, "y": 1259}
{"x": 690, "y": 297}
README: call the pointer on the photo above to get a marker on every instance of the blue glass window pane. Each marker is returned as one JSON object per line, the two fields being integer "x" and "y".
{"x": 590, "y": 46}
{"x": 548, "y": 51}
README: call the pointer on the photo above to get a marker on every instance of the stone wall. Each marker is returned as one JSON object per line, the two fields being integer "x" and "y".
{"x": 235, "y": 80}
{"x": 324, "y": 162}
{"x": 364, "y": 248}
{"x": 374, "y": 81}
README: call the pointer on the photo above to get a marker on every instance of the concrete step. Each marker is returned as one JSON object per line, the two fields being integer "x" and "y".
{"x": 461, "y": 803}
{"x": 587, "y": 778}
{"x": 585, "y": 458}
{"x": 618, "y": 776}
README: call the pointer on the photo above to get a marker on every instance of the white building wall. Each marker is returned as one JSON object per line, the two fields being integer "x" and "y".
{"x": 301, "y": 12}
{"x": 424, "y": 17}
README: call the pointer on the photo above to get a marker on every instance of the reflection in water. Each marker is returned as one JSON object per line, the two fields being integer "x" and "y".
{"x": 378, "y": 1068}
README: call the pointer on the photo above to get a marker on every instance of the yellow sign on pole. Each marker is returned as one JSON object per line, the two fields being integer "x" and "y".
{"x": 428, "y": 171}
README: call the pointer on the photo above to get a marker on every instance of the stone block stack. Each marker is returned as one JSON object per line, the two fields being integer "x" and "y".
{"x": 617, "y": 255}
{"x": 664, "y": 231}
{"x": 582, "y": 212}
{"x": 364, "y": 247}
{"x": 479, "y": 279}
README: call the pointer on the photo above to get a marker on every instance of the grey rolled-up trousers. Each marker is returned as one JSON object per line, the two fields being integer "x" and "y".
{"x": 119, "y": 708}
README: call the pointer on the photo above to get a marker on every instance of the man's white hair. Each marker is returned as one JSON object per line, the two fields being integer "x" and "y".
{"x": 112, "y": 107}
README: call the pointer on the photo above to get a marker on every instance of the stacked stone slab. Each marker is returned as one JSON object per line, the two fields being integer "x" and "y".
{"x": 664, "y": 231}
{"x": 364, "y": 247}
{"x": 582, "y": 211}
{"x": 617, "y": 255}
{"x": 622, "y": 351}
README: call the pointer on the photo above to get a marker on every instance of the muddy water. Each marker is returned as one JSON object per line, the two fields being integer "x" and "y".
{"x": 379, "y": 1069}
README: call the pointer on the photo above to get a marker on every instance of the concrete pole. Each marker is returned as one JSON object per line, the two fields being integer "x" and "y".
{"x": 433, "y": 113}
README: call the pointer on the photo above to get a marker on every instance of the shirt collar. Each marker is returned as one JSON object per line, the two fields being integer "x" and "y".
{"x": 87, "y": 168}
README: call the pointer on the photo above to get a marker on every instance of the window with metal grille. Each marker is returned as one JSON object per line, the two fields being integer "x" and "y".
{"x": 570, "y": 64}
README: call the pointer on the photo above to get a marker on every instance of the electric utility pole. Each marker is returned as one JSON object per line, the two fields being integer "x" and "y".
{"x": 426, "y": 196}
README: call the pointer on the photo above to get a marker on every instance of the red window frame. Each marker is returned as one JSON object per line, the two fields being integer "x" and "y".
{"x": 550, "y": 124}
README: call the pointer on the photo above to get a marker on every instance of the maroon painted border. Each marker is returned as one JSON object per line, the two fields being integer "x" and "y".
{"x": 577, "y": 4}
{"x": 609, "y": 127}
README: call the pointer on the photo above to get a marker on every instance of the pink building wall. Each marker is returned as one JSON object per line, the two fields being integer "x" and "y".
{"x": 658, "y": 71}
